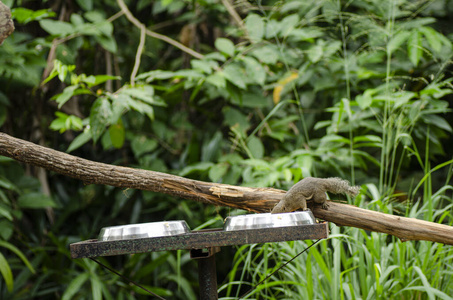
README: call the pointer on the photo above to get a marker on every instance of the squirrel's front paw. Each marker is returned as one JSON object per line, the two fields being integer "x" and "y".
{"x": 325, "y": 205}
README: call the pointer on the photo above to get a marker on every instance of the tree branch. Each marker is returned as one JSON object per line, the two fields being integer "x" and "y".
{"x": 247, "y": 198}
{"x": 156, "y": 35}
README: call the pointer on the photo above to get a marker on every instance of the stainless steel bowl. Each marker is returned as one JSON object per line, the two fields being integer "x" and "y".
{"x": 143, "y": 230}
{"x": 268, "y": 220}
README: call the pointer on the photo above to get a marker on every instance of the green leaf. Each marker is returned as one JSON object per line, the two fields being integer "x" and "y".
{"x": 333, "y": 138}
{"x": 35, "y": 200}
{"x": 217, "y": 172}
{"x": 215, "y": 56}
{"x": 144, "y": 93}
{"x": 5, "y": 270}
{"x": 315, "y": 53}
{"x": 19, "y": 253}
{"x": 58, "y": 28}
{"x": 368, "y": 139}
{"x": 267, "y": 54}
{"x": 77, "y": 20}
{"x": 24, "y": 15}
{"x": 107, "y": 42}
{"x": 396, "y": 41}
{"x": 254, "y": 100}
{"x": 198, "y": 167}
{"x": 143, "y": 108}
{"x": 104, "y": 26}
{"x": 65, "y": 122}
{"x": 225, "y": 45}
{"x": 236, "y": 75}
{"x": 86, "y": 5}
{"x": 6, "y": 184}
{"x": 6, "y": 213}
{"x": 305, "y": 34}
{"x": 233, "y": 117}
{"x": 402, "y": 98}
{"x": 256, "y": 147}
{"x": 96, "y": 287}
{"x": 156, "y": 74}
{"x": 217, "y": 79}
{"x": 437, "y": 121}
{"x": 101, "y": 111}
{"x": 287, "y": 24}
{"x": 75, "y": 286}
{"x": 67, "y": 93}
{"x": 59, "y": 69}
{"x": 254, "y": 70}
{"x": 255, "y": 27}
{"x": 80, "y": 140}
{"x": 142, "y": 144}
{"x": 98, "y": 79}
{"x": 272, "y": 29}
{"x": 6, "y": 225}
{"x": 414, "y": 47}
{"x": 365, "y": 100}
{"x": 205, "y": 66}
{"x": 117, "y": 135}
{"x": 432, "y": 37}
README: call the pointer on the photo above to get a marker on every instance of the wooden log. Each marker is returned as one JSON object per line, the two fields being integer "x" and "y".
{"x": 404, "y": 228}
{"x": 90, "y": 172}
{"x": 247, "y": 198}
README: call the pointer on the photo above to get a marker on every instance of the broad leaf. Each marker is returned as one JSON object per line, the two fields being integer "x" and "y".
{"x": 225, "y": 45}
{"x": 255, "y": 147}
{"x": 35, "y": 200}
{"x": 254, "y": 70}
{"x": 414, "y": 47}
{"x": 396, "y": 41}
{"x": 432, "y": 37}
{"x": 58, "y": 28}
{"x": 67, "y": 93}
{"x": 117, "y": 134}
{"x": 101, "y": 112}
{"x": 255, "y": 27}
{"x": 268, "y": 54}
{"x": 217, "y": 172}
{"x": 236, "y": 75}
{"x": 80, "y": 140}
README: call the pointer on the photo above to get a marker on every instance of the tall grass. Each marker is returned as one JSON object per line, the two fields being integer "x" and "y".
{"x": 353, "y": 263}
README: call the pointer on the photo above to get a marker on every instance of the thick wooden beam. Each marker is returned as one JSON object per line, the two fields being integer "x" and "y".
{"x": 247, "y": 198}
{"x": 90, "y": 172}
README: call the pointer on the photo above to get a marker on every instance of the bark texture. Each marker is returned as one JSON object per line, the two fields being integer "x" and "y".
{"x": 6, "y": 23}
{"x": 251, "y": 199}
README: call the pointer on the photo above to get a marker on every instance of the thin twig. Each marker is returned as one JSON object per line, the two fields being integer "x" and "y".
{"x": 155, "y": 35}
{"x": 138, "y": 55}
{"x": 235, "y": 16}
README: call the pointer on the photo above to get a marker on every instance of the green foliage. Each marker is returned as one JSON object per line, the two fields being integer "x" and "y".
{"x": 360, "y": 90}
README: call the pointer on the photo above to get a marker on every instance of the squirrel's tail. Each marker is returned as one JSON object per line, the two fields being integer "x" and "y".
{"x": 340, "y": 186}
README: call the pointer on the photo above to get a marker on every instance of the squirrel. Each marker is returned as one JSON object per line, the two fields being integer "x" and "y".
{"x": 315, "y": 189}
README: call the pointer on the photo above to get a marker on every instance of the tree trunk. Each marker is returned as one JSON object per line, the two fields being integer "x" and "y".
{"x": 247, "y": 198}
{"x": 6, "y": 23}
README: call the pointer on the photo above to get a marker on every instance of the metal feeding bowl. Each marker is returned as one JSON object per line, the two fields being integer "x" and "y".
{"x": 268, "y": 220}
{"x": 143, "y": 230}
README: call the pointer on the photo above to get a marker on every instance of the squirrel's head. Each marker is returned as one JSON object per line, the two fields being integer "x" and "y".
{"x": 281, "y": 207}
